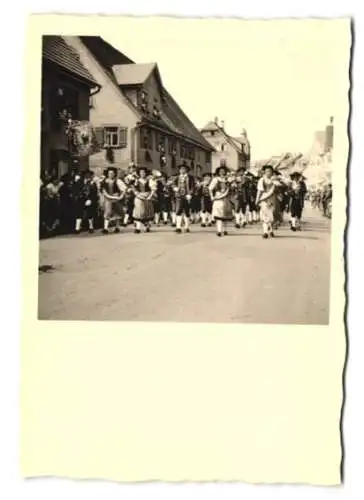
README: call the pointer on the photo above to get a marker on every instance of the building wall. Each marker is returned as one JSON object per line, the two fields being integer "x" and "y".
{"x": 224, "y": 151}
{"x": 109, "y": 108}
{"x": 55, "y": 157}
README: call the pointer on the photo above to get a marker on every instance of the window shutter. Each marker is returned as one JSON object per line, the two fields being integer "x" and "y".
{"x": 100, "y": 136}
{"x": 123, "y": 137}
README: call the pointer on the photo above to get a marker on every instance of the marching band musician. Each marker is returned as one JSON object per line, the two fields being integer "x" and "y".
{"x": 156, "y": 179}
{"x": 296, "y": 201}
{"x": 220, "y": 192}
{"x": 91, "y": 199}
{"x": 78, "y": 198}
{"x": 205, "y": 201}
{"x": 170, "y": 183}
{"x": 196, "y": 198}
{"x": 144, "y": 189}
{"x": 183, "y": 187}
{"x": 113, "y": 190}
{"x": 129, "y": 180}
{"x": 267, "y": 200}
{"x": 166, "y": 198}
{"x": 252, "y": 196}
{"x": 240, "y": 197}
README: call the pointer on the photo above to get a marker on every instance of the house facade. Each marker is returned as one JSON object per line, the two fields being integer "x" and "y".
{"x": 234, "y": 151}
{"x": 135, "y": 118}
{"x": 66, "y": 90}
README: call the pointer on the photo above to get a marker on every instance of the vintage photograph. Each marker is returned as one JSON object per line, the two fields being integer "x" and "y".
{"x": 179, "y": 185}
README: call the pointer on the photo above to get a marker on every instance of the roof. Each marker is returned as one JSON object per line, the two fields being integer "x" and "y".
{"x": 212, "y": 126}
{"x": 123, "y": 72}
{"x": 177, "y": 120}
{"x": 57, "y": 51}
{"x": 133, "y": 74}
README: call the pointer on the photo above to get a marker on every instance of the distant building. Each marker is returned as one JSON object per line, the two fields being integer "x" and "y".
{"x": 66, "y": 89}
{"x": 135, "y": 117}
{"x": 235, "y": 151}
{"x": 323, "y": 141}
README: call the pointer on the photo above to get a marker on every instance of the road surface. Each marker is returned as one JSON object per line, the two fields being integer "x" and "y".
{"x": 196, "y": 277}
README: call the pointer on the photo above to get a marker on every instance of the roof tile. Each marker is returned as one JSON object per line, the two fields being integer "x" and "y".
{"x": 57, "y": 51}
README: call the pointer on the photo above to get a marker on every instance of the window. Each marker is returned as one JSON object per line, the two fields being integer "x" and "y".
{"x": 212, "y": 133}
{"x": 147, "y": 138}
{"x": 161, "y": 143}
{"x": 222, "y": 147}
{"x": 112, "y": 136}
{"x": 172, "y": 145}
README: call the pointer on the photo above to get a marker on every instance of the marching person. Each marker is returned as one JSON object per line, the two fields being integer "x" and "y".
{"x": 303, "y": 194}
{"x": 196, "y": 198}
{"x": 240, "y": 198}
{"x": 205, "y": 201}
{"x": 91, "y": 199}
{"x": 170, "y": 183}
{"x": 113, "y": 191}
{"x": 78, "y": 198}
{"x": 183, "y": 187}
{"x": 220, "y": 192}
{"x": 156, "y": 179}
{"x": 296, "y": 201}
{"x": 129, "y": 180}
{"x": 267, "y": 200}
{"x": 252, "y": 196}
{"x": 144, "y": 189}
{"x": 166, "y": 198}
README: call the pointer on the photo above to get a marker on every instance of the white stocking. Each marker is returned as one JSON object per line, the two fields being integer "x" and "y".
{"x": 219, "y": 226}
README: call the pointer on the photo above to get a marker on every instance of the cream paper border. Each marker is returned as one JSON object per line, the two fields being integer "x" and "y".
{"x": 174, "y": 402}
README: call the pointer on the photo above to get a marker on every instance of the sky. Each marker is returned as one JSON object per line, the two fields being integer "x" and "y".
{"x": 280, "y": 80}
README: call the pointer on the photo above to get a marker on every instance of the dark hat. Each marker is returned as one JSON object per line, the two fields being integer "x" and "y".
{"x": 184, "y": 165}
{"x": 221, "y": 167}
{"x": 113, "y": 169}
{"x": 265, "y": 167}
{"x": 295, "y": 175}
{"x": 207, "y": 174}
{"x": 89, "y": 173}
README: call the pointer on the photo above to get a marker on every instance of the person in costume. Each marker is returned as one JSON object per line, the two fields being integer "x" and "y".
{"x": 296, "y": 201}
{"x": 205, "y": 200}
{"x": 129, "y": 180}
{"x": 240, "y": 198}
{"x": 166, "y": 198}
{"x": 171, "y": 184}
{"x": 113, "y": 191}
{"x": 78, "y": 198}
{"x": 183, "y": 187}
{"x": 144, "y": 195}
{"x": 267, "y": 200}
{"x": 220, "y": 192}
{"x": 196, "y": 198}
{"x": 252, "y": 196}
{"x": 303, "y": 194}
{"x": 156, "y": 179}
{"x": 91, "y": 200}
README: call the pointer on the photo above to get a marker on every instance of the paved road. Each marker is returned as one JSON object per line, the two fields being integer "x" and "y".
{"x": 196, "y": 277}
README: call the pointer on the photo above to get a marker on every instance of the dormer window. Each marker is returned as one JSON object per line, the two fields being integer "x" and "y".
{"x": 212, "y": 133}
{"x": 222, "y": 147}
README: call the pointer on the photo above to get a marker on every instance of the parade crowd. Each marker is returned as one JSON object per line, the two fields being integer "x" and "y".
{"x": 82, "y": 201}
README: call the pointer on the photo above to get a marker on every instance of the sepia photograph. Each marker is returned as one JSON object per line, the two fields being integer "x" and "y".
{"x": 179, "y": 185}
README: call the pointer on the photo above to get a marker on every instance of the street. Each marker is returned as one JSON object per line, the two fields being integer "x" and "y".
{"x": 195, "y": 277}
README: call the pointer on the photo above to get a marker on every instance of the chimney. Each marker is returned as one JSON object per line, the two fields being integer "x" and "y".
{"x": 216, "y": 120}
